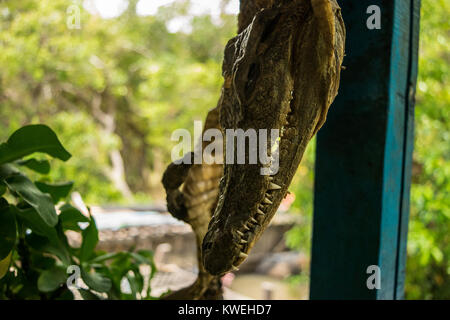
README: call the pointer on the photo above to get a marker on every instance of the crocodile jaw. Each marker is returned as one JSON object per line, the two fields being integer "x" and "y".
{"x": 247, "y": 203}
{"x": 291, "y": 93}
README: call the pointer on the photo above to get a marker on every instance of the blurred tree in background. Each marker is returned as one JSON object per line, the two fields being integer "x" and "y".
{"x": 428, "y": 265}
{"x": 115, "y": 90}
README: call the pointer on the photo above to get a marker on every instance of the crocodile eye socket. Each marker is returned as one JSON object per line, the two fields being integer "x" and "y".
{"x": 270, "y": 28}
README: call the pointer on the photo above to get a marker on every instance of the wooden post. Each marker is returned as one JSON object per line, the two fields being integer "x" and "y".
{"x": 364, "y": 156}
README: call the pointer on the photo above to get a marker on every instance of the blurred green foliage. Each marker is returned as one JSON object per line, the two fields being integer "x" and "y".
{"x": 125, "y": 84}
{"x": 428, "y": 265}
{"x": 122, "y": 84}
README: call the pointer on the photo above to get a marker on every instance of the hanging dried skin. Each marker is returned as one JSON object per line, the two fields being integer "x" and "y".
{"x": 281, "y": 72}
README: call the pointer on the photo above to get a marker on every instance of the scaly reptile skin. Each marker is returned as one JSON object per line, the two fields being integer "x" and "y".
{"x": 281, "y": 72}
{"x": 195, "y": 204}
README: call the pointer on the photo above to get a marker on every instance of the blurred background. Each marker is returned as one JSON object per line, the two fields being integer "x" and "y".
{"x": 116, "y": 83}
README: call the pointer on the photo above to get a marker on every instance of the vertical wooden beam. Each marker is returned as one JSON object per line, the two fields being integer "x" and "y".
{"x": 363, "y": 159}
{"x": 409, "y": 146}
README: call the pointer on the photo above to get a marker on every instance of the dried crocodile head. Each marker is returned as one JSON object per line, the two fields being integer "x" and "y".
{"x": 281, "y": 72}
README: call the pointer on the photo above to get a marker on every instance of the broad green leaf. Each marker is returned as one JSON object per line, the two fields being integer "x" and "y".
{"x": 7, "y": 170}
{"x": 90, "y": 240}
{"x": 52, "y": 279}
{"x": 4, "y": 265}
{"x": 44, "y": 238}
{"x": 33, "y": 220}
{"x": 96, "y": 281}
{"x": 7, "y": 229}
{"x": 54, "y": 247}
{"x": 40, "y": 201}
{"x": 30, "y": 139}
{"x": 40, "y": 166}
{"x": 58, "y": 249}
{"x": 70, "y": 217}
{"x": 57, "y": 191}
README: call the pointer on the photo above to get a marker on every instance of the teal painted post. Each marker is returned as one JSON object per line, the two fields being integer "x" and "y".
{"x": 364, "y": 155}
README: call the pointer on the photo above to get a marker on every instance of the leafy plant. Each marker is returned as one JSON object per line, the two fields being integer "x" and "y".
{"x": 36, "y": 259}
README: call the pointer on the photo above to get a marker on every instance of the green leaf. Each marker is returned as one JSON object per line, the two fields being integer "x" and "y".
{"x": 106, "y": 257}
{"x": 42, "y": 262}
{"x": 96, "y": 281}
{"x": 142, "y": 257}
{"x": 7, "y": 170}
{"x": 33, "y": 220}
{"x": 52, "y": 279}
{"x": 4, "y": 265}
{"x": 54, "y": 247}
{"x": 90, "y": 240}
{"x": 2, "y": 188}
{"x": 88, "y": 295}
{"x": 40, "y": 166}
{"x": 30, "y": 139}
{"x": 70, "y": 217}
{"x": 36, "y": 242}
{"x": 41, "y": 202}
{"x": 136, "y": 282}
{"x": 146, "y": 257}
{"x": 57, "y": 191}
{"x": 7, "y": 229}
{"x": 43, "y": 238}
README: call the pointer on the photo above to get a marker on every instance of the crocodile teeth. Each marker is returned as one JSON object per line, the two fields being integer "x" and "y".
{"x": 243, "y": 255}
{"x": 266, "y": 200}
{"x": 270, "y": 178}
{"x": 243, "y": 241}
{"x": 239, "y": 233}
{"x": 273, "y": 186}
{"x": 253, "y": 220}
{"x": 234, "y": 268}
{"x": 259, "y": 211}
{"x": 245, "y": 227}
